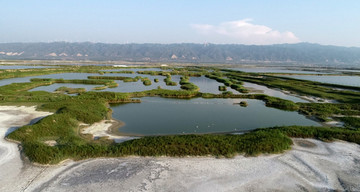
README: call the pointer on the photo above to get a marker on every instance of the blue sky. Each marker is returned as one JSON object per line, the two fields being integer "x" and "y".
{"x": 328, "y": 22}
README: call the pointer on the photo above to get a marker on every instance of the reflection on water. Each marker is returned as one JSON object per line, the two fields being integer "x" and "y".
{"x": 176, "y": 116}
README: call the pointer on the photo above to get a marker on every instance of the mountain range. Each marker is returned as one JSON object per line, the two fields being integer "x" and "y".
{"x": 301, "y": 53}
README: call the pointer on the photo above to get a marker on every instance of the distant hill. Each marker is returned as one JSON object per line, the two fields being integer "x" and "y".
{"x": 194, "y": 53}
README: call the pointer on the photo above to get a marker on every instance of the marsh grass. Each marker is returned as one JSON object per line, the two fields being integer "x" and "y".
{"x": 301, "y": 87}
{"x": 168, "y": 81}
{"x": 90, "y": 107}
{"x": 187, "y": 85}
{"x": 222, "y": 88}
{"x": 69, "y": 90}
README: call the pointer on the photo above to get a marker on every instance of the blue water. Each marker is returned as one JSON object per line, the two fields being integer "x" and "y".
{"x": 340, "y": 80}
{"x": 161, "y": 116}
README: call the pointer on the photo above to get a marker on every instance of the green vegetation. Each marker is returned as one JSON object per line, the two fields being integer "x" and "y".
{"x": 174, "y": 72}
{"x": 100, "y": 88}
{"x": 128, "y": 72}
{"x": 351, "y": 122}
{"x": 14, "y": 73}
{"x": 168, "y": 81}
{"x": 280, "y": 103}
{"x": 324, "y": 110}
{"x": 239, "y": 87}
{"x": 243, "y": 104}
{"x": 301, "y": 87}
{"x": 70, "y": 90}
{"x": 224, "y": 94}
{"x": 156, "y": 80}
{"x": 146, "y": 81}
{"x": 322, "y": 133}
{"x": 129, "y": 79}
{"x": 190, "y": 87}
{"x": 222, "y": 88}
{"x": 219, "y": 79}
{"x": 270, "y": 140}
{"x": 124, "y": 79}
{"x": 78, "y": 81}
{"x": 90, "y": 107}
{"x": 166, "y": 93}
{"x": 62, "y": 127}
{"x": 187, "y": 85}
{"x": 184, "y": 80}
{"x": 235, "y": 84}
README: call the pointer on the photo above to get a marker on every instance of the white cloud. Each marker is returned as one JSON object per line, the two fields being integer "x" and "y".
{"x": 244, "y": 32}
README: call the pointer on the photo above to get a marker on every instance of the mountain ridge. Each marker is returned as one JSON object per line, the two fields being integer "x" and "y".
{"x": 183, "y": 52}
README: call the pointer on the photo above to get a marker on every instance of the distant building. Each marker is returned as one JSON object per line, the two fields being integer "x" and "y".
{"x": 174, "y": 56}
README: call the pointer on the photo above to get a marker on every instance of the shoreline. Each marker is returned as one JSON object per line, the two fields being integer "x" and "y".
{"x": 106, "y": 128}
{"x": 311, "y": 165}
{"x": 114, "y": 129}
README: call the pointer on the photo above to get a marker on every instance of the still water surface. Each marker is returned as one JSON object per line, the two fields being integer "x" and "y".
{"x": 161, "y": 116}
{"x": 206, "y": 85}
{"x": 339, "y": 80}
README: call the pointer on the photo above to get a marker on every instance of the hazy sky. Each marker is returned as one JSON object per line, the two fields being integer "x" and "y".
{"x": 329, "y": 22}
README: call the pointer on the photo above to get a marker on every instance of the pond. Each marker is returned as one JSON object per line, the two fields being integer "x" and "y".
{"x": 162, "y": 116}
{"x": 339, "y": 80}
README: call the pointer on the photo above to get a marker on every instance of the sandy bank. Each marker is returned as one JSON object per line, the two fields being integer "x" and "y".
{"x": 106, "y": 128}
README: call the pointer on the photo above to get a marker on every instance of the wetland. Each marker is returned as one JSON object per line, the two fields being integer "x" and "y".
{"x": 177, "y": 111}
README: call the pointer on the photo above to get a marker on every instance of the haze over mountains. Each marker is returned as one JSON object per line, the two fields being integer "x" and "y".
{"x": 301, "y": 53}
